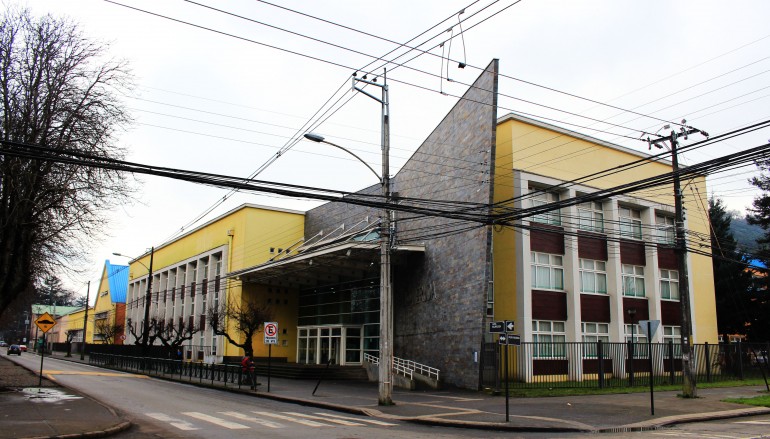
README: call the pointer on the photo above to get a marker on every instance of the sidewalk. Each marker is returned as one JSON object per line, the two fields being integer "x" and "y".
{"x": 478, "y": 410}
{"x": 32, "y": 408}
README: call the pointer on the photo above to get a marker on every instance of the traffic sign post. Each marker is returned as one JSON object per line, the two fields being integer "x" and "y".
{"x": 44, "y": 322}
{"x": 649, "y": 327}
{"x": 271, "y": 338}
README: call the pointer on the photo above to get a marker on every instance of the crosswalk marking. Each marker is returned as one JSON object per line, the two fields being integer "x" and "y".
{"x": 244, "y": 417}
{"x": 368, "y": 421}
{"x": 763, "y": 422}
{"x": 178, "y": 423}
{"x": 290, "y": 419}
{"x": 336, "y": 421}
{"x": 217, "y": 421}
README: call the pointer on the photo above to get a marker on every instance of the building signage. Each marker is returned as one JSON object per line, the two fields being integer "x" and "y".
{"x": 496, "y": 327}
{"x": 509, "y": 326}
{"x": 514, "y": 339}
{"x": 502, "y": 338}
{"x": 271, "y": 332}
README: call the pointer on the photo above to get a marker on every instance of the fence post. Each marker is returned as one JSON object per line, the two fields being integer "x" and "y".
{"x": 671, "y": 364}
{"x": 631, "y": 363}
{"x": 708, "y": 362}
{"x": 600, "y": 356}
{"x": 740, "y": 360}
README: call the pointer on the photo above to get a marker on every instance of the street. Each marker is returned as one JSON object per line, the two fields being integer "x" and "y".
{"x": 165, "y": 409}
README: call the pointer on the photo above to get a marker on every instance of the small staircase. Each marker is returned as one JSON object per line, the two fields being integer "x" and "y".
{"x": 413, "y": 374}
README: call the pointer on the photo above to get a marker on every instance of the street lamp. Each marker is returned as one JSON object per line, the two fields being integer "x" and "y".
{"x": 148, "y": 299}
{"x": 385, "y": 368}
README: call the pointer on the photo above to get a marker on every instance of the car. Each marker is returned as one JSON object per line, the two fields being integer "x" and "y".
{"x": 3, "y": 344}
{"x": 14, "y": 349}
{"x": 23, "y": 347}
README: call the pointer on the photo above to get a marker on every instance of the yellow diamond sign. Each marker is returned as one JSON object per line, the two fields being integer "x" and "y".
{"x": 45, "y": 322}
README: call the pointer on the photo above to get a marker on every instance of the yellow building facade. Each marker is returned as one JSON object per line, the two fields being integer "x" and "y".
{"x": 613, "y": 257}
{"x": 189, "y": 277}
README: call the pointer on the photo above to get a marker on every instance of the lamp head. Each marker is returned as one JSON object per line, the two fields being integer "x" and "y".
{"x": 314, "y": 137}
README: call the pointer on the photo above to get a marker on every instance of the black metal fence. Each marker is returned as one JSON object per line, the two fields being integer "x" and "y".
{"x": 600, "y": 364}
{"x": 215, "y": 374}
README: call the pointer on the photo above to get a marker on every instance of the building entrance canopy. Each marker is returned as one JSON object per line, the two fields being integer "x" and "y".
{"x": 348, "y": 258}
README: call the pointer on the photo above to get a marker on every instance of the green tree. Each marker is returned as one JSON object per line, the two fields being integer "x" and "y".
{"x": 759, "y": 214}
{"x": 55, "y": 93}
{"x": 732, "y": 282}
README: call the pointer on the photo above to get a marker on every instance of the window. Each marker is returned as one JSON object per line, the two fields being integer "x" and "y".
{"x": 593, "y": 276}
{"x": 665, "y": 230}
{"x": 593, "y": 333}
{"x": 673, "y": 334}
{"x": 547, "y": 271}
{"x": 540, "y": 198}
{"x": 591, "y": 216}
{"x": 630, "y": 223}
{"x": 633, "y": 280}
{"x": 669, "y": 284}
{"x": 549, "y": 338}
{"x": 634, "y": 333}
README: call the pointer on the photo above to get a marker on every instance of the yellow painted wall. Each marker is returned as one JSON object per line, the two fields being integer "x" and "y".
{"x": 549, "y": 153}
{"x": 249, "y": 232}
{"x": 72, "y": 321}
{"x": 103, "y": 302}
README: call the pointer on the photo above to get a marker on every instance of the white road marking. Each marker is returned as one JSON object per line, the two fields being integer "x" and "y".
{"x": 369, "y": 421}
{"x": 178, "y": 423}
{"x": 322, "y": 418}
{"x": 248, "y": 418}
{"x": 216, "y": 421}
{"x": 290, "y": 419}
{"x": 765, "y": 422}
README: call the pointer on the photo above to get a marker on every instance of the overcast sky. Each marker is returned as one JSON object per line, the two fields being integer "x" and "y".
{"x": 213, "y": 96}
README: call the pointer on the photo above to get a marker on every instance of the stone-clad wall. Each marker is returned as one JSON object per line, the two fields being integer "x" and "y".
{"x": 440, "y": 299}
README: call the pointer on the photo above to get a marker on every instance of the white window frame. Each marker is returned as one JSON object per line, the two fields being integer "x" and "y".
{"x": 633, "y": 276}
{"x": 596, "y": 272}
{"x": 552, "y": 264}
{"x": 540, "y": 198}
{"x": 665, "y": 229}
{"x": 669, "y": 285}
{"x": 630, "y": 222}
{"x": 639, "y": 339}
{"x": 549, "y": 339}
{"x": 591, "y": 216}
{"x": 673, "y": 333}
{"x": 592, "y": 332}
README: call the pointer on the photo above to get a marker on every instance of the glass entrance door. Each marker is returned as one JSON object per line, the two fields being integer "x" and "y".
{"x": 336, "y": 344}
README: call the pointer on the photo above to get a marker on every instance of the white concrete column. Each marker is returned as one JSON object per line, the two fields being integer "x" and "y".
{"x": 523, "y": 283}
{"x": 572, "y": 289}
{"x": 615, "y": 287}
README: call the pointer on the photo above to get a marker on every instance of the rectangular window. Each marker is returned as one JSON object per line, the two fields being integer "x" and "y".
{"x": 593, "y": 333}
{"x": 633, "y": 280}
{"x": 591, "y": 216}
{"x": 630, "y": 222}
{"x": 634, "y": 333}
{"x": 669, "y": 284}
{"x": 673, "y": 334}
{"x": 593, "y": 276}
{"x": 547, "y": 271}
{"x": 540, "y": 198}
{"x": 664, "y": 228}
{"x": 549, "y": 339}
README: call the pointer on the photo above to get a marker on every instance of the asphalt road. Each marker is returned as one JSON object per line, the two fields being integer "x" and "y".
{"x": 163, "y": 409}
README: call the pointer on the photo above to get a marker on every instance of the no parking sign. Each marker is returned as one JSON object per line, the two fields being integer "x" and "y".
{"x": 271, "y": 332}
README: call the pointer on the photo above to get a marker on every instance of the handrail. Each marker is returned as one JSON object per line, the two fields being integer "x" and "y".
{"x": 407, "y": 367}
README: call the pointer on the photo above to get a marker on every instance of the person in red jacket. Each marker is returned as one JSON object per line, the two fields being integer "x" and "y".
{"x": 247, "y": 371}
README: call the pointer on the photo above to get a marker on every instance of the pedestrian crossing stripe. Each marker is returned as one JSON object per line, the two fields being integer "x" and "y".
{"x": 216, "y": 421}
{"x": 290, "y": 419}
{"x": 368, "y": 421}
{"x": 178, "y": 423}
{"x": 319, "y": 418}
{"x": 248, "y": 418}
{"x": 309, "y": 420}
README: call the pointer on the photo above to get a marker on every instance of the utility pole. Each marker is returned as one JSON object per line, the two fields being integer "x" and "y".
{"x": 147, "y": 301}
{"x": 85, "y": 323}
{"x": 385, "y": 370}
{"x": 688, "y": 376}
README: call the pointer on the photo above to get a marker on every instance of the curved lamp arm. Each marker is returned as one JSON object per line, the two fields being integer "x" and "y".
{"x": 320, "y": 139}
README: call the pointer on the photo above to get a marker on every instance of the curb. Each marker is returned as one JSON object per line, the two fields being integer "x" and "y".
{"x": 115, "y": 429}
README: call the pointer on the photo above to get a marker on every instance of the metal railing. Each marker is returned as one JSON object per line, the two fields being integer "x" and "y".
{"x": 215, "y": 374}
{"x": 600, "y": 364}
{"x": 407, "y": 368}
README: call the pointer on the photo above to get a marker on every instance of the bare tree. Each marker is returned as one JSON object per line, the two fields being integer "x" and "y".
{"x": 238, "y": 322}
{"x": 56, "y": 94}
{"x": 108, "y": 330}
{"x": 71, "y": 334}
{"x": 173, "y": 336}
